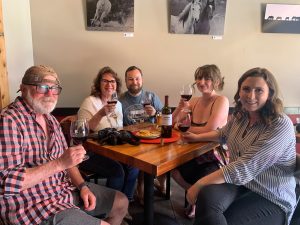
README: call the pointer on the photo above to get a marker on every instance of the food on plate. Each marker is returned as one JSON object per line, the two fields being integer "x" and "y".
{"x": 148, "y": 133}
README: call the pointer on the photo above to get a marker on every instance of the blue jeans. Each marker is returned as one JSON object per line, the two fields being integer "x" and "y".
{"x": 222, "y": 204}
{"x": 119, "y": 177}
{"x": 130, "y": 180}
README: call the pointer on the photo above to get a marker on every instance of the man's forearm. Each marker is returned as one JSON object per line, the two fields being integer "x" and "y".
{"x": 75, "y": 176}
{"x": 37, "y": 174}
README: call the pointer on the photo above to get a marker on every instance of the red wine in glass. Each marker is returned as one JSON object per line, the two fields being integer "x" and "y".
{"x": 186, "y": 93}
{"x": 146, "y": 99}
{"x": 186, "y": 97}
{"x": 183, "y": 123}
{"x": 183, "y": 128}
{"x": 79, "y": 139}
{"x": 79, "y": 131}
{"x": 112, "y": 102}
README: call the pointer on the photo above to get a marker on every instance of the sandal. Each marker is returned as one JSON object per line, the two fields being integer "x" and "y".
{"x": 190, "y": 211}
{"x": 128, "y": 217}
{"x": 161, "y": 188}
{"x": 140, "y": 196}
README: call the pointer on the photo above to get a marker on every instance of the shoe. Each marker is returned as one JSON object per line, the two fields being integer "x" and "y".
{"x": 128, "y": 217}
{"x": 124, "y": 223}
{"x": 190, "y": 211}
{"x": 161, "y": 188}
{"x": 140, "y": 196}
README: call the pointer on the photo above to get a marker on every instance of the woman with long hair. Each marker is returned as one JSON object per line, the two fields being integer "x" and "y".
{"x": 257, "y": 186}
{"x": 97, "y": 111}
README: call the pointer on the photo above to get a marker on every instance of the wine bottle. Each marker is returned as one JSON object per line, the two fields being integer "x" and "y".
{"x": 166, "y": 125}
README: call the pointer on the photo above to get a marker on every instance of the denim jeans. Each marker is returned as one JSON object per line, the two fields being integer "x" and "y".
{"x": 119, "y": 177}
{"x": 222, "y": 204}
{"x": 131, "y": 174}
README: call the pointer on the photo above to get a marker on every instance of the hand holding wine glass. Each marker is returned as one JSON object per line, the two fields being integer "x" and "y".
{"x": 79, "y": 131}
{"x": 146, "y": 101}
{"x": 186, "y": 93}
{"x": 183, "y": 123}
{"x": 113, "y": 100}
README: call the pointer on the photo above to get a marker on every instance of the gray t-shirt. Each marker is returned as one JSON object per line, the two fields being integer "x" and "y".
{"x": 133, "y": 110}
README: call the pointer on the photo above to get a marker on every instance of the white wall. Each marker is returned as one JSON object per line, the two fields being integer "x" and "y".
{"x": 168, "y": 60}
{"x": 18, "y": 41}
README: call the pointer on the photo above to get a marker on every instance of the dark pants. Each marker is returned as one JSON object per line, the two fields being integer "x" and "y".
{"x": 192, "y": 171}
{"x": 119, "y": 177}
{"x": 223, "y": 204}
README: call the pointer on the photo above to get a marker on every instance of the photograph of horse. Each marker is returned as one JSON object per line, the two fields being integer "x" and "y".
{"x": 110, "y": 15}
{"x": 197, "y": 16}
{"x": 103, "y": 8}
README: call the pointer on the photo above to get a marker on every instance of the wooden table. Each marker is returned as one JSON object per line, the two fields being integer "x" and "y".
{"x": 153, "y": 159}
{"x": 298, "y": 137}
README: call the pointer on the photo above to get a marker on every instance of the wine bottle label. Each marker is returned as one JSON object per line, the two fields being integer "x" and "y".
{"x": 166, "y": 120}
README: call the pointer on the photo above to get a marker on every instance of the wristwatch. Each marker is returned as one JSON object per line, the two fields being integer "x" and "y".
{"x": 83, "y": 184}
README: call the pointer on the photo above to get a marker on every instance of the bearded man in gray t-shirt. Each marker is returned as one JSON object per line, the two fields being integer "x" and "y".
{"x": 138, "y": 105}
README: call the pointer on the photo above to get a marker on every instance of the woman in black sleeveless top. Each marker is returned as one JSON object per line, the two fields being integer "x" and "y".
{"x": 209, "y": 112}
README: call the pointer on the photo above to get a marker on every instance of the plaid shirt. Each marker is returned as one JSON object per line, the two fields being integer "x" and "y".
{"x": 23, "y": 146}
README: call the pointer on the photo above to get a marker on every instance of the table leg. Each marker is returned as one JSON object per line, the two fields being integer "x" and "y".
{"x": 168, "y": 185}
{"x": 148, "y": 216}
{"x": 148, "y": 199}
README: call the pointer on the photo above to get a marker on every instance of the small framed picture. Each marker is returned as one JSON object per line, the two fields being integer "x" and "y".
{"x": 281, "y": 18}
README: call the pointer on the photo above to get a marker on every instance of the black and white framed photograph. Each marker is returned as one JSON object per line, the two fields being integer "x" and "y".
{"x": 281, "y": 18}
{"x": 197, "y": 16}
{"x": 110, "y": 15}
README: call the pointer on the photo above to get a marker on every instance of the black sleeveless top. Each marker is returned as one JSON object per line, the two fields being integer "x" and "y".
{"x": 202, "y": 124}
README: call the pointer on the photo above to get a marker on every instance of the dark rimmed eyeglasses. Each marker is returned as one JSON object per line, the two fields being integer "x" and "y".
{"x": 108, "y": 81}
{"x": 44, "y": 89}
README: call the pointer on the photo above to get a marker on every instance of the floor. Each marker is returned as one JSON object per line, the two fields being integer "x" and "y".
{"x": 174, "y": 208}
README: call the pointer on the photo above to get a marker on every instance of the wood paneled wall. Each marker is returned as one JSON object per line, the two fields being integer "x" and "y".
{"x": 4, "y": 91}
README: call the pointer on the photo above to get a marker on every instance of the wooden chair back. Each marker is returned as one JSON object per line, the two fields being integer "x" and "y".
{"x": 65, "y": 124}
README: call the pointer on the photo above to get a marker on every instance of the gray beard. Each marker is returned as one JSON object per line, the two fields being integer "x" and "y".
{"x": 42, "y": 106}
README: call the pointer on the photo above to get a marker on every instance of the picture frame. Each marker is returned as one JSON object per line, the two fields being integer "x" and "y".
{"x": 110, "y": 15}
{"x": 281, "y": 18}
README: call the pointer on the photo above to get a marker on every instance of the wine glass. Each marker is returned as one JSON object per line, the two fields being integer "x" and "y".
{"x": 146, "y": 100}
{"x": 113, "y": 100}
{"x": 183, "y": 123}
{"x": 79, "y": 131}
{"x": 186, "y": 93}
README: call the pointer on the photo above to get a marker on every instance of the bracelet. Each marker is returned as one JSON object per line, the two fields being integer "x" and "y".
{"x": 82, "y": 185}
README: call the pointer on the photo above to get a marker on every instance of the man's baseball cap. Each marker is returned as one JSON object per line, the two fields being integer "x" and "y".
{"x": 36, "y": 75}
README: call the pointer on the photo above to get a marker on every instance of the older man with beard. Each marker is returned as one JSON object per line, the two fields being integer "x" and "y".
{"x": 39, "y": 179}
{"x": 132, "y": 99}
